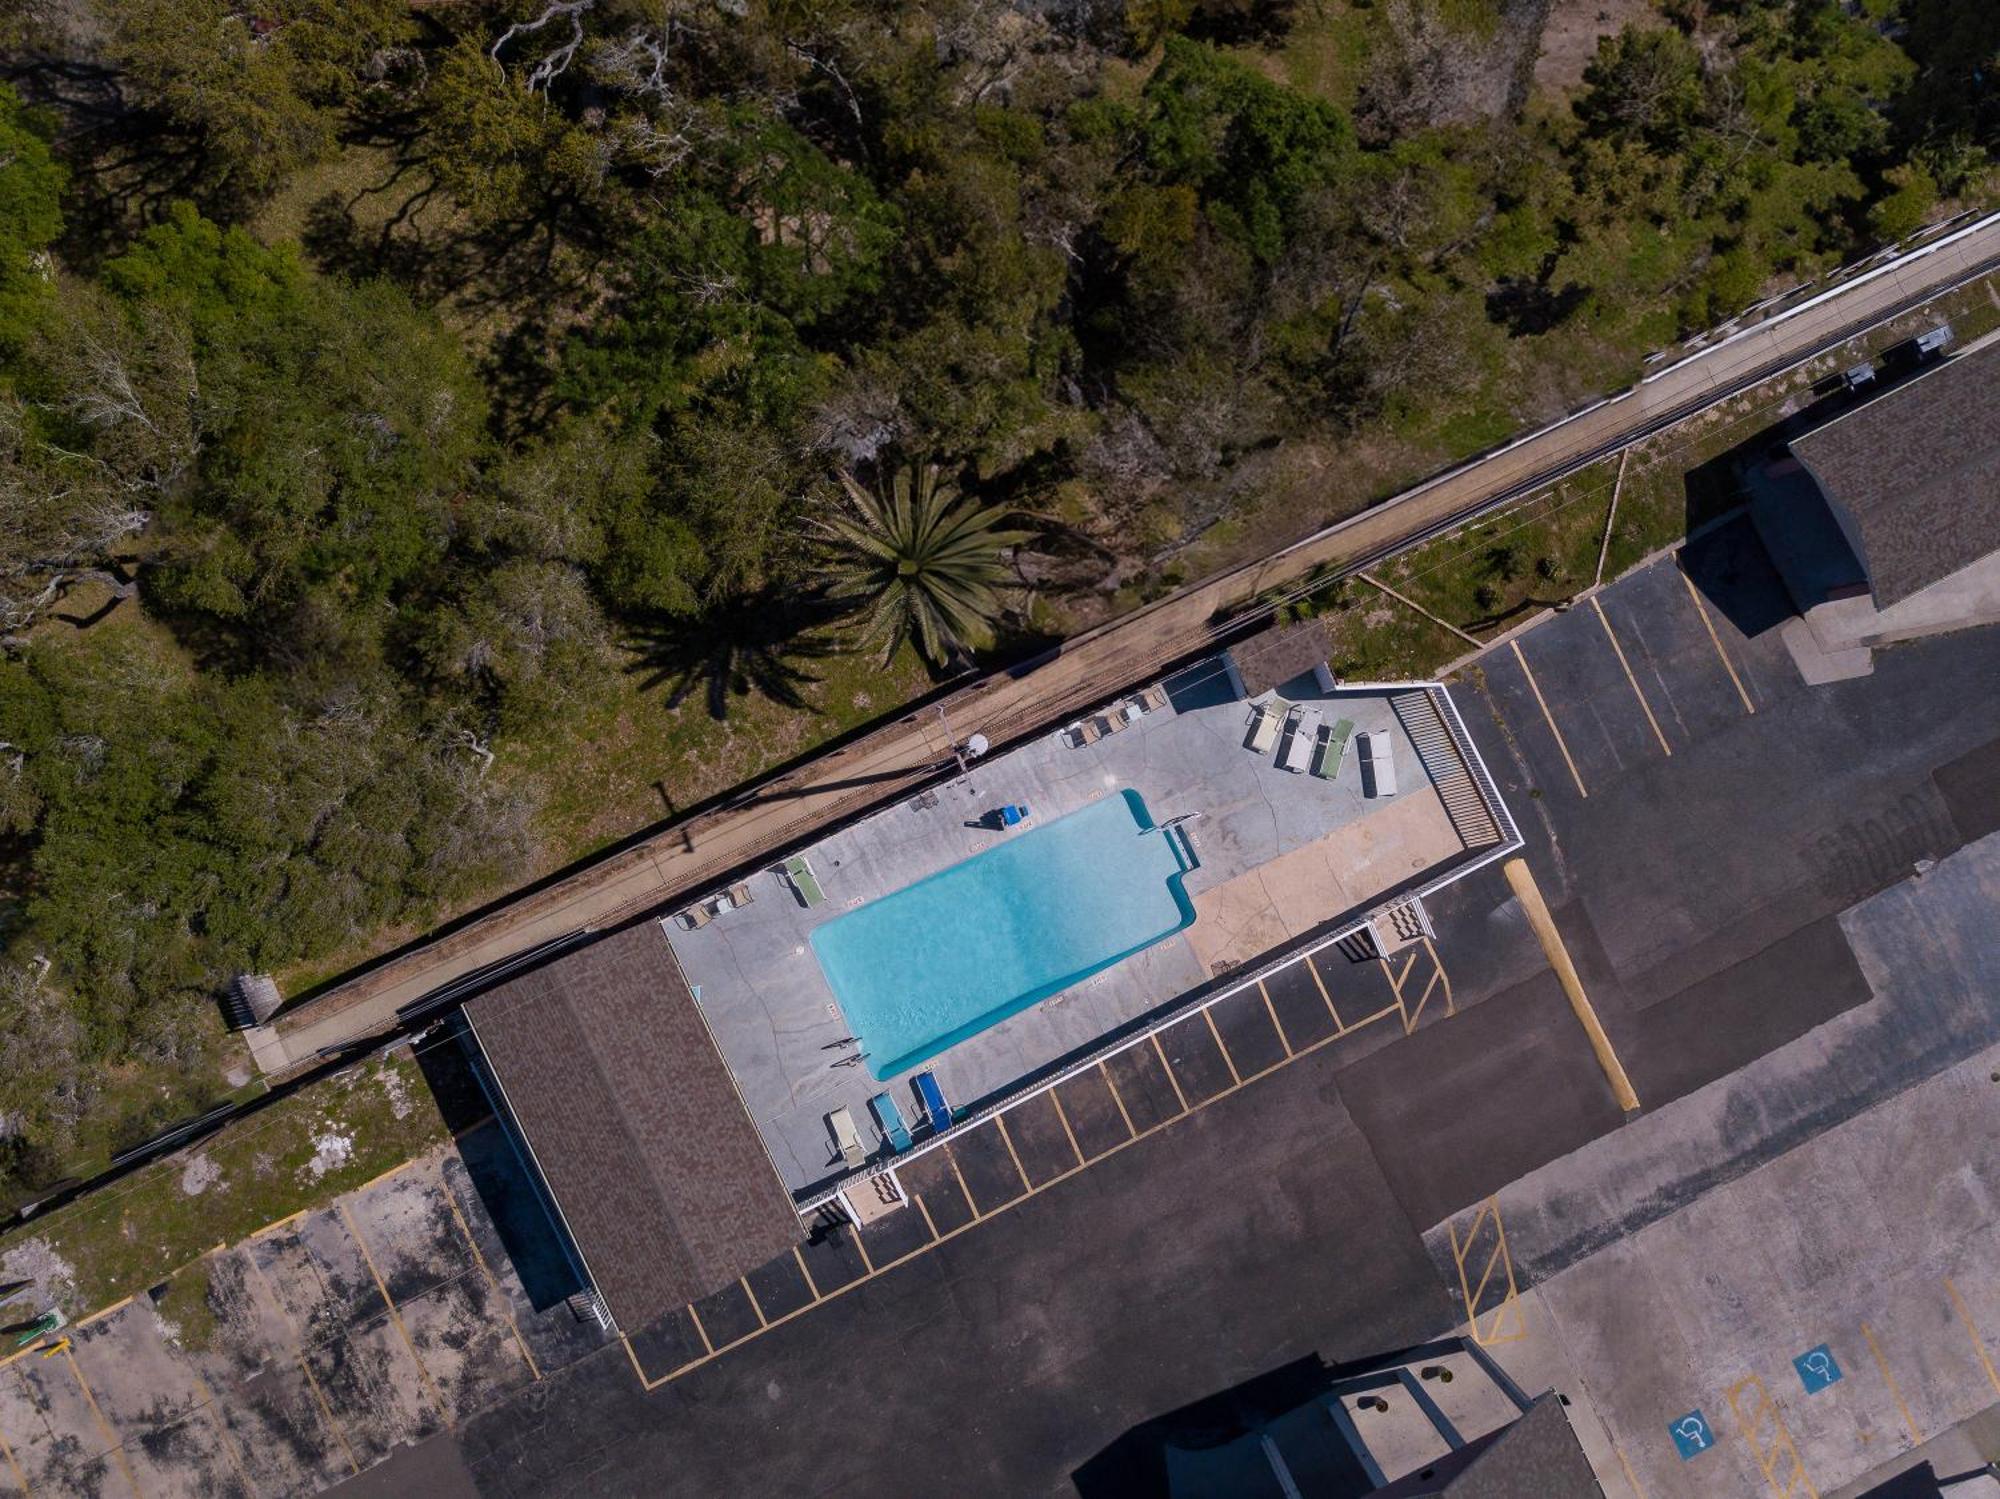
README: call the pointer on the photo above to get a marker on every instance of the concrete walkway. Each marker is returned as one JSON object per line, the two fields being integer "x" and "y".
{"x": 691, "y": 855}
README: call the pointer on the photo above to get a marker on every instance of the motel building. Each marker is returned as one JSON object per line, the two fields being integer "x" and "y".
{"x": 694, "y": 1091}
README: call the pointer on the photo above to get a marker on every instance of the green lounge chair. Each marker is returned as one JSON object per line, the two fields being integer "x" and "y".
{"x": 799, "y": 870}
{"x": 1333, "y": 749}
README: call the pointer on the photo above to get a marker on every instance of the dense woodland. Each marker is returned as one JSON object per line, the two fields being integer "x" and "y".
{"x": 378, "y": 376}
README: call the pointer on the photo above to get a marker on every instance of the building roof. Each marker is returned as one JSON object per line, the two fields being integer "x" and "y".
{"x": 1916, "y": 471}
{"x": 1280, "y": 654}
{"x": 606, "y": 1064}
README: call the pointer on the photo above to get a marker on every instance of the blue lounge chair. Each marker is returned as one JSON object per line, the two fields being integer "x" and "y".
{"x": 889, "y": 1119}
{"x": 935, "y": 1108}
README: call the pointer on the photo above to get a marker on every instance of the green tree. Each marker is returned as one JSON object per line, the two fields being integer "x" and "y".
{"x": 924, "y": 558}
{"x": 31, "y": 186}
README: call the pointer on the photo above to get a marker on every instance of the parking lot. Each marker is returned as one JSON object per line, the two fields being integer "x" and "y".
{"x": 339, "y": 1336}
{"x": 1319, "y": 999}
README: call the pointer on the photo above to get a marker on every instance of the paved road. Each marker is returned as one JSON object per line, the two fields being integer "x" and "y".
{"x": 702, "y": 850}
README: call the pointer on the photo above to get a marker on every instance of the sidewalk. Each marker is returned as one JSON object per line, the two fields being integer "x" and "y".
{"x": 686, "y": 857}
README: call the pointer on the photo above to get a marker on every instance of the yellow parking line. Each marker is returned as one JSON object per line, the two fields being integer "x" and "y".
{"x": 970, "y": 1201}
{"x": 1208, "y": 1014}
{"x": 1619, "y": 650}
{"x": 1978, "y": 1343}
{"x": 319, "y": 1395}
{"x": 1320, "y": 984}
{"x": 1119, "y": 1099}
{"x": 1715, "y": 639}
{"x": 1063, "y": 1114}
{"x": 1772, "y": 1458}
{"x": 1001, "y": 1120}
{"x": 811, "y": 1285}
{"x": 7, "y": 1448}
{"x": 1276, "y": 1024}
{"x": 222, "y": 1431}
{"x": 1450, "y": 1004}
{"x": 762, "y": 1320}
{"x": 1630, "y": 1477}
{"x": 1522, "y": 881}
{"x": 492, "y": 1280}
{"x": 867, "y": 1262}
{"x": 1548, "y": 717}
{"x": 395, "y": 1313}
{"x": 695, "y": 1317}
{"x": 929, "y": 1222}
{"x": 1909, "y": 1421}
{"x": 1169, "y": 1069}
{"x": 115, "y": 1447}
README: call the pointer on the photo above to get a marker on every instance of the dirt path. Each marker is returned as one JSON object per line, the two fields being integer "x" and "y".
{"x": 698, "y": 852}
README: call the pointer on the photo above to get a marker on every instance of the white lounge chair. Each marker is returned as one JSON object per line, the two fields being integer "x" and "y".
{"x": 1378, "y": 760}
{"x": 1298, "y": 751}
{"x": 847, "y": 1137}
{"x": 1269, "y": 720}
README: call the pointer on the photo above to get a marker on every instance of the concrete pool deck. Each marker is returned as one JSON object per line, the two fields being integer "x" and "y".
{"x": 1281, "y": 853}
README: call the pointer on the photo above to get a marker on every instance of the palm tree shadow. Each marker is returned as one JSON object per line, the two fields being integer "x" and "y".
{"x": 762, "y": 644}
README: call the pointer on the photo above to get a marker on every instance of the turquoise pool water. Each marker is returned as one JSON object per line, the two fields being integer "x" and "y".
{"x": 920, "y": 970}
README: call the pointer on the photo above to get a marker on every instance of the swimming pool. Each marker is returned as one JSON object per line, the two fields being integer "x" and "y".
{"x": 943, "y": 959}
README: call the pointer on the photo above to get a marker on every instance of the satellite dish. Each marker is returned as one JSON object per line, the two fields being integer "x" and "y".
{"x": 976, "y": 746}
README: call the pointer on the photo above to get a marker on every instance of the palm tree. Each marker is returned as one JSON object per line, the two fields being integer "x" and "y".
{"x": 926, "y": 557}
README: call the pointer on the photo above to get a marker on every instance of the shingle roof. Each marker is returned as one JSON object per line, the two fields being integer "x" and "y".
{"x": 608, "y": 1068}
{"x": 1917, "y": 470}
{"x": 1280, "y": 654}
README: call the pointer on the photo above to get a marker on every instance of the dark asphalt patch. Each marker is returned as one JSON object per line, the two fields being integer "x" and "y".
{"x": 1301, "y": 1008}
{"x": 1970, "y": 786}
{"x": 1093, "y": 1114}
{"x": 1198, "y": 1063}
{"x": 1711, "y": 1028}
{"x": 1245, "y": 1023}
{"x": 1479, "y": 1100}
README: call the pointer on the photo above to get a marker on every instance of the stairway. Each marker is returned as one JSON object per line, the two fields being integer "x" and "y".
{"x": 1447, "y": 768}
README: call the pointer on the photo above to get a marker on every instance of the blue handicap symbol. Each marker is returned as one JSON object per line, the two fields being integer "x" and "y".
{"x": 1817, "y": 1369}
{"x": 1691, "y": 1435}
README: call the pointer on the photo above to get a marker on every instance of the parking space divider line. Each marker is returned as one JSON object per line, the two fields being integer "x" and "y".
{"x": 1978, "y": 1343}
{"x": 867, "y": 1260}
{"x": 1339, "y": 1025}
{"x": 1063, "y": 1114}
{"x": 7, "y": 1449}
{"x": 755, "y": 1306}
{"x": 964, "y": 1186}
{"x": 299, "y": 1352}
{"x": 1619, "y": 650}
{"x": 1276, "y": 1024}
{"x": 492, "y": 1280}
{"x": 221, "y": 1430}
{"x": 395, "y": 1315}
{"x": 273, "y": 1226}
{"x": 112, "y": 1445}
{"x": 1450, "y": 1004}
{"x": 978, "y": 1217}
{"x": 1715, "y": 639}
{"x": 101, "y": 1313}
{"x": 1001, "y": 1120}
{"x": 1208, "y": 1014}
{"x": 695, "y": 1317}
{"x": 1118, "y": 1098}
{"x": 1889, "y": 1379}
{"x": 1548, "y": 717}
{"x": 1169, "y": 1068}
{"x": 1632, "y": 1478}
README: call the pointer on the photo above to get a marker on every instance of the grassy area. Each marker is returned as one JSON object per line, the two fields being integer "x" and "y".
{"x": 156, "y": 1224}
